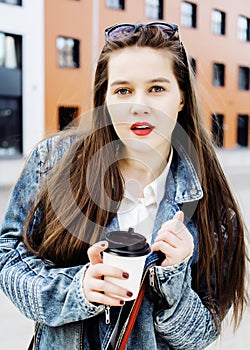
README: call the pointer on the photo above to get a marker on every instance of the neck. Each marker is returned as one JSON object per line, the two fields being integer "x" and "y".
{"x": 148, "y": 165}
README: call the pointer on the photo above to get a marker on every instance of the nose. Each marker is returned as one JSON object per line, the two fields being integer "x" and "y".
{"x": 140, "y": 109}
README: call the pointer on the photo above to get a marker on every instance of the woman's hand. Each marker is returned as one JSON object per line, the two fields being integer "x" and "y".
{"x": 174, "y": 241}
{"x": 96, "y": 289}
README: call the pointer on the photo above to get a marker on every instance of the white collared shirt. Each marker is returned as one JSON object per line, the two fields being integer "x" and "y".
{"x": 140, "y": 213}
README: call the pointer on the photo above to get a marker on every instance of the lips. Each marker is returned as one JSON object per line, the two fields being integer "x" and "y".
{"x": 142, "y": 128}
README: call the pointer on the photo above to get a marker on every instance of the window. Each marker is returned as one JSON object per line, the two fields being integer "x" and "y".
{"x": 10, "y": 126}
{"x": 116, "y": 4}
{"x": 68, "y": 50}
{"x": 10, "y": 51}
{"x": 12, "y": 2}
{"x": 218, "y": 129}
{"x": 218, "y": 74}
{"x": 218, "y": 22}
{"x": 188, "y": 14}
{"x": 244, "y": 74}
{"x": 243, "y": 28}
{"x": 242, "y": 130}
{"x": 67, "y": 115}
{"x": 10, "y": 95}
{"x": 154, "y": 9}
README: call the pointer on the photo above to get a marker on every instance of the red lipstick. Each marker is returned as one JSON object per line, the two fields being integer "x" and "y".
{"x": 142, "y": 128}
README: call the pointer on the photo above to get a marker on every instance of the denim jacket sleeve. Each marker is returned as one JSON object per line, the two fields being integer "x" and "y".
{"x": 41, "y": 291}
{"x": 183, "y": 321}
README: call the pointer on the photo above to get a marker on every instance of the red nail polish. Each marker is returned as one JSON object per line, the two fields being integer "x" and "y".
{"x": 129, "y": 294}
{"x": 125, "y": 275}
{"x": 122, "y": 302}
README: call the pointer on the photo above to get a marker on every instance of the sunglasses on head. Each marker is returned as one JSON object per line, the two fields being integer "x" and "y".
{"x": 119, "y": 31}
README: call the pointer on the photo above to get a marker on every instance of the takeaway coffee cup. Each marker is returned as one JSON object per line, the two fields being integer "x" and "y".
{"x": 127, "y": 250}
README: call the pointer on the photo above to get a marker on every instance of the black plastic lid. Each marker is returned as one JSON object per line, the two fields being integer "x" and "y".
{"x": 127, "y": 243}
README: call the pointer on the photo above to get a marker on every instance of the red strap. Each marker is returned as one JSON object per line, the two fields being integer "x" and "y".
{"x": 132, "y": 318}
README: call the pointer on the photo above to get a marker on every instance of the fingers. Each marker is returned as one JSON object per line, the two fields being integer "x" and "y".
{"x": 94, "y": 252}
{"x": 179, "y": 216}
{"x": 100, "y": 270}
{"x": 97, "y": 289}
{"x": 176, "y": 224}
{"x": 107, "y": 293}
{"x": 172, "y": 256}
{"x": 97, "y": 297}
{"x": 169, "y": 237}
{"x": 174, "y": 240}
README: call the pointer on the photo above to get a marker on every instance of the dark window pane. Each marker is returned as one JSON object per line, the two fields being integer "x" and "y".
{"x": 67, "y": 115}
{"x": 243, "y": 28}
{"x": 242, "y": 130}
{"x": 68, "y": 50}
{"x": 10, "y": 51}
{"x": 218, "y": 22}
{"x": 218, "y": 74}
{"x": 188, "y": 14}
{"x": 10, "y": 127}
{"x": 244, "y": 78}
{"x": 12, "y": 2}
{"x": 154, "y": 9}
{"x": 116, "y": 4}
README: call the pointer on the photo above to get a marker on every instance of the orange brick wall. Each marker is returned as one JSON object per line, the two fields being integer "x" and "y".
{"x": 76, "y": 19}
{"x": 66, "y": 86}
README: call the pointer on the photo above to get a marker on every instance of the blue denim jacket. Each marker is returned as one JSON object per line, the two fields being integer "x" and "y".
{"x": 172, "y": 315}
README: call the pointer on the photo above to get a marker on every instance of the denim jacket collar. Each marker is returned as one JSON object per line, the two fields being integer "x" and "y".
{"x": 183, "y": 184}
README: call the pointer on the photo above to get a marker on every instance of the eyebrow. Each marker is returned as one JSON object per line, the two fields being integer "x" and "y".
{"x": 119, "y": 82}
{"x": 155, "y": 80}
{"x": 159, "y": 80}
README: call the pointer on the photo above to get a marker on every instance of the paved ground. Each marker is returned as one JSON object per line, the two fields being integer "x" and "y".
{"x": 16, "y": 330}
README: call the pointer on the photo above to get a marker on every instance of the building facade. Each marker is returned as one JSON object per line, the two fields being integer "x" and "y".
{"x": 57, "y": 44}
{"x": 21, "y": 83}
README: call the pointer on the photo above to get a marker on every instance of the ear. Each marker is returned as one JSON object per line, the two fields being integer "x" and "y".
{"x": 182, "y": 102}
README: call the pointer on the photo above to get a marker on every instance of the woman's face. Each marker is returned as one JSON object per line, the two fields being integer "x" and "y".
{"x": 143, "y": 98}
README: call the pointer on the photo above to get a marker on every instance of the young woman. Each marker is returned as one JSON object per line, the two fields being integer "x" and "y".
{"x": 147, "y": 163}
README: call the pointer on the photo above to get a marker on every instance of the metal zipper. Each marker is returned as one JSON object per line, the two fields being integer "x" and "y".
{"x": 107, "y": 314}
{"x": 81, "y": 335}
{"x": 152, "y": 276}
{"x": 153, "y": 282}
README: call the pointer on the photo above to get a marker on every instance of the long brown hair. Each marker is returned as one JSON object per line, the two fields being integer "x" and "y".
{"x": 68, "y": 227}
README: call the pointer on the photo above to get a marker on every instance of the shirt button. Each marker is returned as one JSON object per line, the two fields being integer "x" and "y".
{"x": 193, "y": 191}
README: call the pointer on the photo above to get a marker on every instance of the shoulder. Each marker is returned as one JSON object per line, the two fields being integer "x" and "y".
{"x": 46, "y": 154}
{"x": 52, "y": 149}
{"x": 54, "y": 146}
